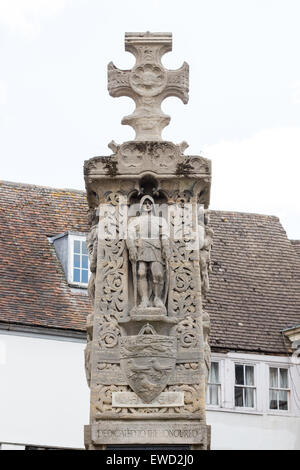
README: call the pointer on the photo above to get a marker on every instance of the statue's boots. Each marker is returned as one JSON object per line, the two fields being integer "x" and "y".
{"x": 157, "y": 302}
{"x": 144, "y": 303}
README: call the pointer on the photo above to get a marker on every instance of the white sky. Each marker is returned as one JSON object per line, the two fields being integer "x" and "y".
{"x": 244, "y": 108}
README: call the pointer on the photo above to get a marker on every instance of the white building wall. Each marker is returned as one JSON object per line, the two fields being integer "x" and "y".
{"x": 258, "y": 428}
{"x": 44, "y": 398}
{"x": 241, "y": 431}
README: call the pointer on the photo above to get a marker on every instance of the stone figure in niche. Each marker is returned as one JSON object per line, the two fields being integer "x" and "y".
{"x": 205, "y": 255}
{"x": 149, "y": 251}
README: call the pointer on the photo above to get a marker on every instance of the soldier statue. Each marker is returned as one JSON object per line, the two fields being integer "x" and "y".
{"x": 149, "y": 251}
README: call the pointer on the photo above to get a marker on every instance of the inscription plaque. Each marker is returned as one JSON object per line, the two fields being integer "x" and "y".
{"x": 145, "y": 432}
{"x": 165, "y": 399}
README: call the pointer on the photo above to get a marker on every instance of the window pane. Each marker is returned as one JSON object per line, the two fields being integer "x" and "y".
{"x": 76, "y": 246}
{"x": 238, "y": 396}
{"x": 214, "y": 373}
{"x": 249, "y": 397}
{"x": 273, "y": 377}
{"x": 76, "y": 275}
{"x": 283, "y": 400}
{"x": 76, "y": 261}
{"x": 249, "y": 372}
{"x": 283, "y": 374}
{"x": 239, "y": 374}
{"x": 213, "y": 395}
{"x": 84, "y": 250}
{"x": 85, "y": 276}
{"x": 84, "y": 260}
{"x": 273, "y": 399}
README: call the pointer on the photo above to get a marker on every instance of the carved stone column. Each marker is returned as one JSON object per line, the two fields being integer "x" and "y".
{"x": 148, "y": 354}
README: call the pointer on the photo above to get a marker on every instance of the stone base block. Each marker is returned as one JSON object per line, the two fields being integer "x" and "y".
{"x": 147, "y": 432}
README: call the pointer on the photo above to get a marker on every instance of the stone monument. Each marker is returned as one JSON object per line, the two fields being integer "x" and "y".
{"x": 148, "y": 356}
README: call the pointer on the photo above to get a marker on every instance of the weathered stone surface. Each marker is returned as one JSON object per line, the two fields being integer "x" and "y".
{"x": 131, "y": 400}
{"x": 136, "y": 158}
{"x": 148, "y": 83}
{"x": 148, "y": 361}
{"x": 147, "y": 432}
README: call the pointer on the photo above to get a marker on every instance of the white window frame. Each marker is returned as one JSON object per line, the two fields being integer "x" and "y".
{"x": 253, "y": 387}
{"x": 288, "y": 390}
{"x": 220, "y": 388}
{"x": 261, "y": 364}
{"x": 71, "y": 239}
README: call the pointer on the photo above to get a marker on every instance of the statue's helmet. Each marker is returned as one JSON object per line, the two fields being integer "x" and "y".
{"x": 149, "y": 198}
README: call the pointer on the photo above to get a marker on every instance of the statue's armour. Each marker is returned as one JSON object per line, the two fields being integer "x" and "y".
{"x": 147, "y": 232}
{"x": 149, "y": 250}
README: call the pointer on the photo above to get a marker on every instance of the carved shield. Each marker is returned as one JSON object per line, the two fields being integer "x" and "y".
{"x": 148, "y": 361}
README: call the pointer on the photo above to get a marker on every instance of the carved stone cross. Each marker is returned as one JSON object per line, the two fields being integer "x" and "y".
{"x": 148, "y": 83}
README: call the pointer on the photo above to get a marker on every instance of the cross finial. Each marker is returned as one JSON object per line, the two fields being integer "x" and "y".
{"x": 148, "y": 83}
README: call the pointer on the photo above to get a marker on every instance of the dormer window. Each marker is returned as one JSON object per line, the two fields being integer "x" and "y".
{"x": 72, "y": 253}
{"x": 79, "y": 261}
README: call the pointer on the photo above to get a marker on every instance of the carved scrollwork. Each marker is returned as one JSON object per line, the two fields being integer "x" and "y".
{"x": 188, "y": 333}
{"x": 182, "y": 293}
{"x": 112, "y": 267}
{"x": 92, "y": 247}
{"x": 182, "y": 296}
{"x": 103, "y": 400}
{"x": 183, "y": 303}
{"x": 112, "y": 298}
{"x": 116, "y": 79}
{"x": 187, "y": 366}
{"x": 108, "y": 367}
{"x": 109, "y": 332}
{"x": 183, "y": 279}
{"x": 113, "y": 197}
{"x": 109, "y": 338}
{"x": 192, "y": 398}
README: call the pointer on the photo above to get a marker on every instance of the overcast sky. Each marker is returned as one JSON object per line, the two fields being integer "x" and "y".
{"x": 244, "y": 108}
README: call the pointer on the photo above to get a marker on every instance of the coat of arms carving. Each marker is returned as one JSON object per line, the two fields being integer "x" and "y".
{"x": 148, "y": 361}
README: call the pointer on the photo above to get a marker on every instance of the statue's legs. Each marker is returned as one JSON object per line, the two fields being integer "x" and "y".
{"x": 157, "y": 272}
{"x": 204, "y": 259}
{"x": 142, "y": 284}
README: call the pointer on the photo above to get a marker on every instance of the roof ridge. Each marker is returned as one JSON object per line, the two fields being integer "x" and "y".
{"x": 50, "y": 188}
{"x": 219, "y": 211}
{"x": 78, "y": 191}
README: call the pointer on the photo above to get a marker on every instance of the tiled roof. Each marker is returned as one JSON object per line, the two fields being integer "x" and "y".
{"x": 33, "y": 288}
{"x": 255, "y": 283}
{"x": 296, "y": 245}
{"x": 255, "y": 279}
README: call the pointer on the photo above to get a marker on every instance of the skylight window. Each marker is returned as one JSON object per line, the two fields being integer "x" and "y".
{"x": 78, "y": 261}
{"x": 71, "y": 250}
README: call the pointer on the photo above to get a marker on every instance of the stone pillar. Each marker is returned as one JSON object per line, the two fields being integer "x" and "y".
{"x": 148, "y": 355}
